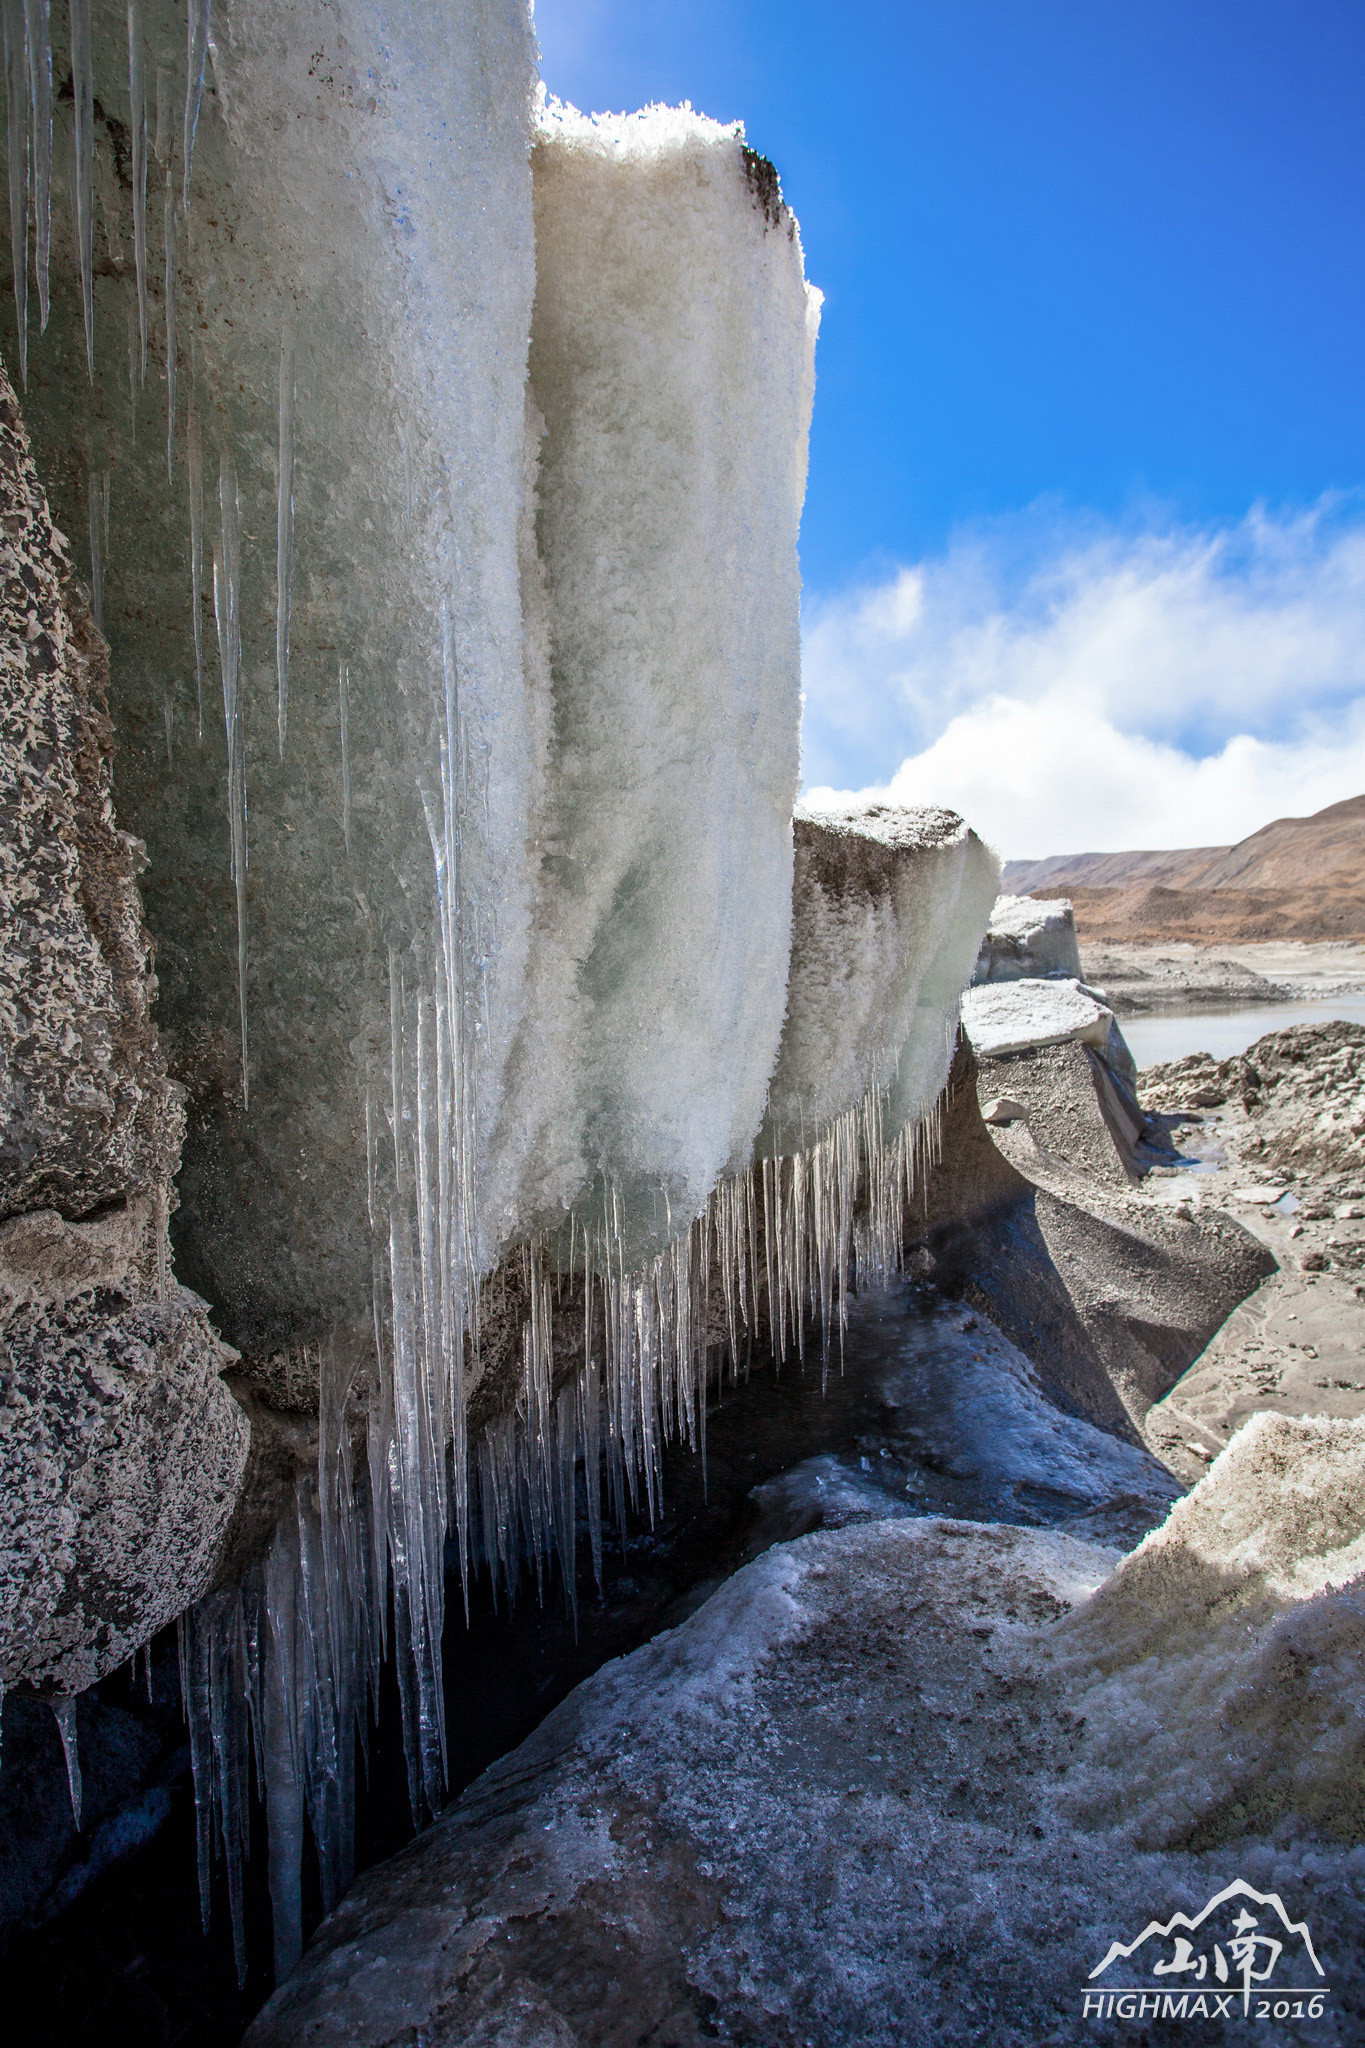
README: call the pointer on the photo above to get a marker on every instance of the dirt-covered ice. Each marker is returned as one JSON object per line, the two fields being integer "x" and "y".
{"x": 911, "y": 1782}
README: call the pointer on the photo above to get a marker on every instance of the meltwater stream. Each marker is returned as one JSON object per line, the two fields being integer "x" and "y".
{"x": 932, "y": 1413}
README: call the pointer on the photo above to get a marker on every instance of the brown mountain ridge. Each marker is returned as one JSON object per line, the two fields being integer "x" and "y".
{"x": 1297, "y": 878}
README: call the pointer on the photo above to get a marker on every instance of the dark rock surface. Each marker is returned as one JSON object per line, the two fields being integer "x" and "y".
{"x": 1109, "y": 1294}
{"x": 121, "y": 1450}
{"x": 87, "y": 1115}
{"x": 122, "y": 1453}
{"x": 1302, "y": 1090}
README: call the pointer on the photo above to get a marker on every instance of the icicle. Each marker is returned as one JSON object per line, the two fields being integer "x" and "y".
{"x": 194, "y": 472}
{"x": 169, "y": 247}
{"x": 83, "y": 87}
{"x": 162, "y": 141}
{"x": 284, "y": 530}
{"x": 192, "y": 1646}
{"x": 197, "y": 28}
{"x": 137, "y": 126}
{"x": 227, "y": 589}
{"x": 343, "y": 708}
{"x": 134, "y": 379}
{"x": 98, "y": 497}
{"x": 38, "y": 24}
{"x": 64, "y": 1711}
{"x": 777, "y": 1246}
{"x": 16, "y": 120}
{"x": 228, "y": 1738}
{"x": 281, "y": 1741}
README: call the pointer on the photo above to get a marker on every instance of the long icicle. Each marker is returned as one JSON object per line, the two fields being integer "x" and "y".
{"x": 227, "y": 590}
{"x": 64, "y": 1712}
{"x": 194, "y": 476}
{"x": 83, "y": 88}
{"x": 38, "y": 14}
{"x": 137, "y": 126}
{"x": 197, "y": 31}
{"x": 169, "y": 245}
{"x": 16, "y": 139}
{"x": 344, "y": 716}
{"x": 284, "y": 528}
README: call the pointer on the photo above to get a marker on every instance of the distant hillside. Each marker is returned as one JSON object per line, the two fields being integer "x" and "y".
{"x": 1216, "y": 916}
{"x": 1066, "y": 871}
{"x": 1298, "y": 853}
{"x": 1301, "y": 878}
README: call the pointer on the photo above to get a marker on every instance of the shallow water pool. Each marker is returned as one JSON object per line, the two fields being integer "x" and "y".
{"x": 1170, "y": 1034}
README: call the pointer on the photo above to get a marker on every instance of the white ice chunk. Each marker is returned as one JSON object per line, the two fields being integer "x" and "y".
{"x": 671, "y": 360}
{"x": 889, "y": 907}
{"x": 1027, "y": 938}
{"x": 1013, "y": 1015}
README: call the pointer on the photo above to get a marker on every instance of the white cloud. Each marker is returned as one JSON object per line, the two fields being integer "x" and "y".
{"x": 1163, "y": 689}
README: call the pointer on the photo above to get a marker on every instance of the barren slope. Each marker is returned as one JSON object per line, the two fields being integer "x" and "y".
{"x": 1298, "y": 878}
{"x": 1226, "y": 915}
{"x": 1068, "y": 871}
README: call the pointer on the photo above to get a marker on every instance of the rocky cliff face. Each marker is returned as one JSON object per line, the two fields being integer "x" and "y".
{"x": 87, "y": 1115}
{"x": 121, "y": 1450}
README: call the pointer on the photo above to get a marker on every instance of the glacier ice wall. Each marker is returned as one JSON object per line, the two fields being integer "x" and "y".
{"x": 672, "y": 367}
{"x": 301, "y": 499}
{"x": 458, "y": 700}
{"x": 276, "y": 370}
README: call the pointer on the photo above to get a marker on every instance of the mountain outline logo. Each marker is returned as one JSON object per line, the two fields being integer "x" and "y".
{"x": 1236, "y": 1957}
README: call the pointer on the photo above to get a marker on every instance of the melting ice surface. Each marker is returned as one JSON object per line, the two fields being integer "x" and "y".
{"x": 954, "y": 1421}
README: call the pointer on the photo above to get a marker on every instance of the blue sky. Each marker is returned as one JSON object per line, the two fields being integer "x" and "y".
{"x": 1094, "y": 322}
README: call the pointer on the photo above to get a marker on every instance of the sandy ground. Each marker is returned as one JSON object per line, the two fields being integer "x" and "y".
{"x": 1171, "y": 975}
{"x": 1297, "y": 1345}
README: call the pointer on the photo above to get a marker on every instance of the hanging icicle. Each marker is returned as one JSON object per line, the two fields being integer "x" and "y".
{"x": 64, "y": 1713}
{"x": 16, "y": 139}
{"x": 344, "y": 718}
{"x": 169, "y": 248}
{"x": 284, "y": 528}
{"x": 283, "y": 1672}
{"x": 83, "y": 90}
{"x": 227, "y": 598}
{"x": 137, "y": 128}
{"x": 194, "y": 478}
{"x": 38, "y": 27}
{"x": 197, "y": 31}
